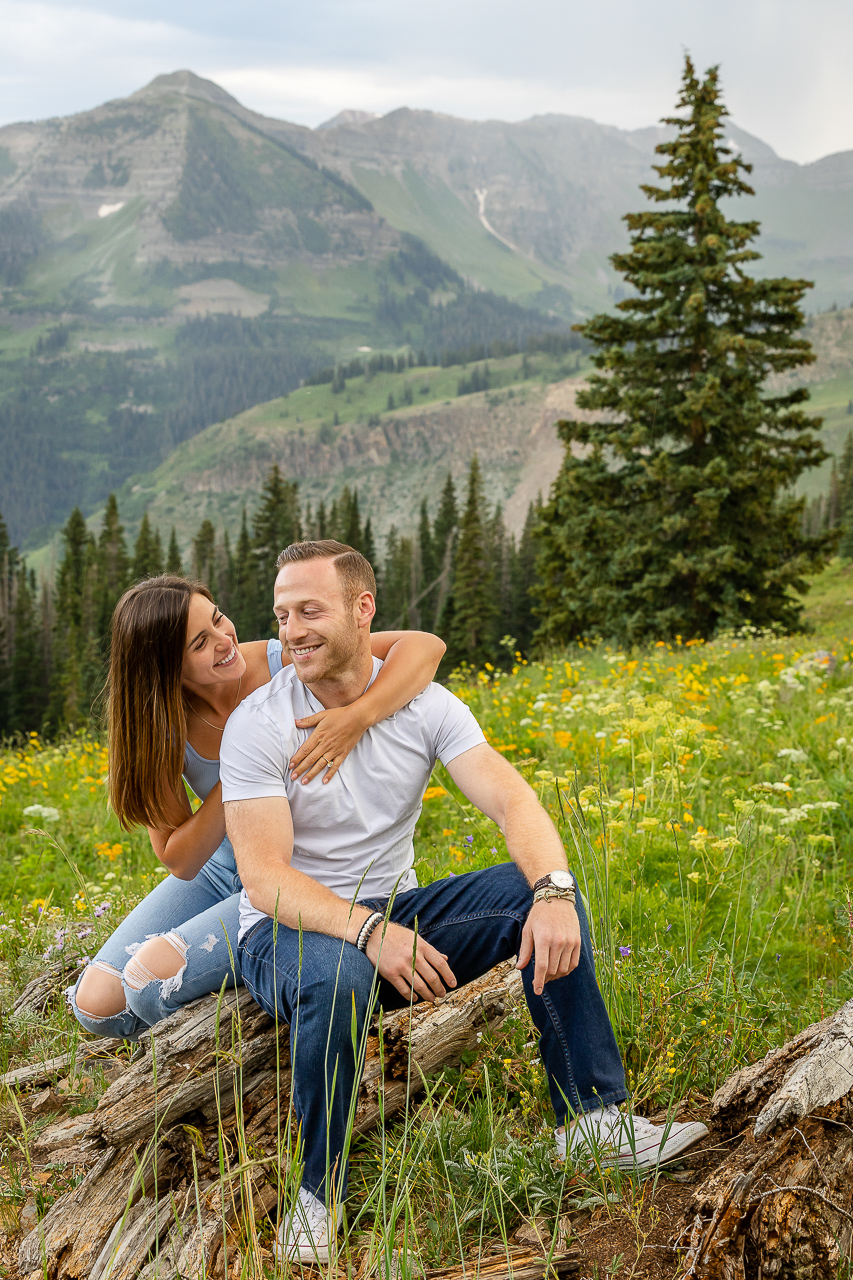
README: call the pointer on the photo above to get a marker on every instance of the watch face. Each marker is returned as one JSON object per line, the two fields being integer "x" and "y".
{"x": 562, "y": 879}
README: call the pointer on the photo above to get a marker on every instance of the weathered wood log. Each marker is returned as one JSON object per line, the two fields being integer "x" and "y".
{"x": 41, "y": 1072}
{"x": 781, "y": 1204}
{"x": 154, "y": 1203}
{"x": 47, "y": 986}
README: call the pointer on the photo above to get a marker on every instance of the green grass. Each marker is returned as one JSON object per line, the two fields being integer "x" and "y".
{"x": 702, "y": 793}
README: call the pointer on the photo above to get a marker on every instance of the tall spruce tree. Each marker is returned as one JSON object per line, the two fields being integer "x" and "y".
{"x": 675, "y": 515}
{"x": 68, "y": 703}
{"x": 173, "y": 555}
{"x": 845, "y": 499}
{"x": 444, "y": 536}
{"x": 204, "y": 547}
{"x": 523, "y": 579}
{"x": 29, "y": 677}
{"x": 113, "y": 566}
{"x": 147, "y": 551}
{"x": 471, "y": 633}
{"x": 277, "y": 523}
{"x": 244, "y": 589}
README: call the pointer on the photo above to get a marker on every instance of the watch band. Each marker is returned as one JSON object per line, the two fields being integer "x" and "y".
{"x": 545, "y": 882}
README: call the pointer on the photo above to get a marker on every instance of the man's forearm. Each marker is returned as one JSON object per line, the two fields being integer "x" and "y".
{"x": 298, "y": 901}
{"x": 531, "y": 837}
{"x": 262, "y": 835}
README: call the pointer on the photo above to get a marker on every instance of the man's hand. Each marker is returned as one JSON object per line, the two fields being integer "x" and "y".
{"x": 409, "y": 963}
{"x": 552, "y": 931}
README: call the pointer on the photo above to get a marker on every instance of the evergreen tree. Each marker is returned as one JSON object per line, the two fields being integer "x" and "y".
{"x": 147, "y": 552}
{"x": 173, "y": 555}
{"x": 444, "y": 535}
{"x": 113, "y": 567}
{"x": 471, "y": 637}
{"x": 244, "y": 590}
{"x": 73, "y": 628}
{"x": 7, "y": 625}
{"x": 29, "y": 677}
{"x": 500, "y": 552}
{"x": 523, "y": 577}
{"x": 350, "y": 520}
{"x": 676, "y": 515}
{"x": 845, "y": 499}
{"x": 368, "y": 545}
{"x": 204, "y": 545}
{"x": 277, "y": 523}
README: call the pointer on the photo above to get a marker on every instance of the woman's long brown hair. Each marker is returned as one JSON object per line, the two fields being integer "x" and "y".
{"x": 147, "y": 713}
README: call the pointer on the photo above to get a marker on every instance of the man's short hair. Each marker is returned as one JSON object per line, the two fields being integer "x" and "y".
{"x": 354, "y": 570}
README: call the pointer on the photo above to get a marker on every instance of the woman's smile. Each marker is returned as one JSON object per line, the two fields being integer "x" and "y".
{"x": 229, "y": 657}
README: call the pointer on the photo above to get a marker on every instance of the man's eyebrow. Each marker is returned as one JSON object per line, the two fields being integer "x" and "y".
{"x": 190, "y": 643}
{"x": 300, "y": 604}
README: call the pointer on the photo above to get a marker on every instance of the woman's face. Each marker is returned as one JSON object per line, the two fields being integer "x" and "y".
{"x": 211, "y": 655}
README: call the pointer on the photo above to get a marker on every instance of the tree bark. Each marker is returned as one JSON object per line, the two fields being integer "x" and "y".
{"x": 214, "y": 1078}
{"x": 781, "y": 1203}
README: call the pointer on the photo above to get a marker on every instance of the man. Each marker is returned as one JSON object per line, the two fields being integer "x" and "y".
{"x": 334, "y": 862}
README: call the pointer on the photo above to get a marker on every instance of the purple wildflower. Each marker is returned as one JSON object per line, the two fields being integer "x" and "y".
{"x": 624, "y": 951}
{"x": 469, "y": 839}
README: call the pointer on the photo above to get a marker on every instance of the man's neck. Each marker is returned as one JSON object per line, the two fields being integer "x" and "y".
{"x": 347, "y": 686}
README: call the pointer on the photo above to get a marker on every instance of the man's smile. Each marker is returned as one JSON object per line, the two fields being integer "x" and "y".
{"x": 304, "y": 650}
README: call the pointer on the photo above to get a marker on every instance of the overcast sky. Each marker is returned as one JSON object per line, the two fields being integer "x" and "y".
{"x": 786, "y": 64}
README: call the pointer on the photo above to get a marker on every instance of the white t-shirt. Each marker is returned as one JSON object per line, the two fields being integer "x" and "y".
{"x": 354, "y": 834}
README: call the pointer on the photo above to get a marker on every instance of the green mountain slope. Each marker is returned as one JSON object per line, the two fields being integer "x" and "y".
{"x": 166, "y": 263}
{"x": 170, "y": 259}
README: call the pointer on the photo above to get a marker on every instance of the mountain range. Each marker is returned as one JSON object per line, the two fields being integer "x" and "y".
{"x": 170, "y": 259}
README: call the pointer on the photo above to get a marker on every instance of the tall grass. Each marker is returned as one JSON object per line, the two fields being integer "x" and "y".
{"x": 703, "y": 796}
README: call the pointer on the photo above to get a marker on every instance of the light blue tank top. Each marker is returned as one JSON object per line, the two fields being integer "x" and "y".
{"x": 203, "y": 774}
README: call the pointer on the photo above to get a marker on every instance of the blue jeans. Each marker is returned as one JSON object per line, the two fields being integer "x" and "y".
{"x": 200, "y": 915}
{"x": 476, "y": 920}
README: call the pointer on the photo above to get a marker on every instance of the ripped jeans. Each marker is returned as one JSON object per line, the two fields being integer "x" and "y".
{"x": 200, "y": 918}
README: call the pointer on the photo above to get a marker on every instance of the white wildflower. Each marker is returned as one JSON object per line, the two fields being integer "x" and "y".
{"x": 44, "y": 811}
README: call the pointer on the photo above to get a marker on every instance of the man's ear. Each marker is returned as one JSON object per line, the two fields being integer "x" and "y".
{"x": 364, "y": 609}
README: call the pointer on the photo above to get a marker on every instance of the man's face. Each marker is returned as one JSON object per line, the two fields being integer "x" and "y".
{"x": 322, "y": 632}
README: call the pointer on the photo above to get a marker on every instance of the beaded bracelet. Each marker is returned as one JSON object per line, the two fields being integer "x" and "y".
{"x": 366, "y": 930}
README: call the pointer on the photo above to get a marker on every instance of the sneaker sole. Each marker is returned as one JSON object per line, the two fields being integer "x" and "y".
{"x": 650, "y": 1157}
{"x": 301, "y": 1254}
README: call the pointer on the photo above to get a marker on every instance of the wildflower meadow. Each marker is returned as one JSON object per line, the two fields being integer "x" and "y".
{"x": 702, "y": 793}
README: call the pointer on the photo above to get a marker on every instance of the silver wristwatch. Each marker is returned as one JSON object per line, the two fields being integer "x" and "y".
{"x": 557, "y": 884}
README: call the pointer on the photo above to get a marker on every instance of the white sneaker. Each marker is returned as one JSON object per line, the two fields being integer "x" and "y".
{"x": 610, "y": 1138}
{"x": 305, "y": 1235}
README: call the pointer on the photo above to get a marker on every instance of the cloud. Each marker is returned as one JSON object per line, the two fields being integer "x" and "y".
{"x": 311, "y": 94}
{"x": 784, "y": 64}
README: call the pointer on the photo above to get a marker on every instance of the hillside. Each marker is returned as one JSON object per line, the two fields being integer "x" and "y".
{"x": 394, "y": 458}
{"x": 166, "y": 262}
{"x": 170, "y": 259}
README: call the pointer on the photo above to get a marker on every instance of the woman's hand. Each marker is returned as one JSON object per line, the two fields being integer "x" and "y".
{"x": 335, "y": 733}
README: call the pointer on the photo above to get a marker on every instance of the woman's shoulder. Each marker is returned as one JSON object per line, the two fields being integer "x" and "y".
{"x": 264, "y": 659}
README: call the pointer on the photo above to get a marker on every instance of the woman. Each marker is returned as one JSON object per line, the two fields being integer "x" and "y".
{"x": 177, "y": 672}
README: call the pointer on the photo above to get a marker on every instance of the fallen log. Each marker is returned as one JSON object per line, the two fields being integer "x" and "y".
{"x": 171, "y": 1185}
{"x": 40, "y": 1072}
{"x": 781, "y": 1203}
